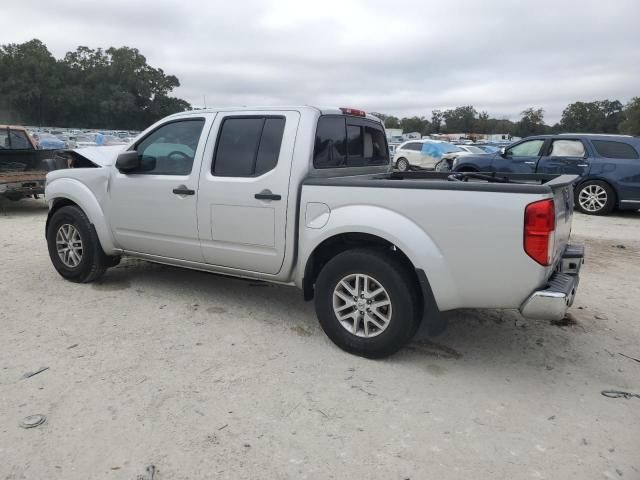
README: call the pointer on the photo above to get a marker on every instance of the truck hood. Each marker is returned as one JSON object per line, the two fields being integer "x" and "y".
{"x": 101, "y": 156}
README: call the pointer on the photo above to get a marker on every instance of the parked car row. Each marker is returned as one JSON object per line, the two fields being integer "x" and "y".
{"x": 608, "y": 166}
{"x": 56, "y": 139}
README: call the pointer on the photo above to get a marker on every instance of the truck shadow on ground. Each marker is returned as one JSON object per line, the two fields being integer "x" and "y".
{"x": 493, "y": 338}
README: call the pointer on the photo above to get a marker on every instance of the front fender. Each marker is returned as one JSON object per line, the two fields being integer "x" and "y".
{"x": 393, "y": 227}
{"x": 78, "y": 193}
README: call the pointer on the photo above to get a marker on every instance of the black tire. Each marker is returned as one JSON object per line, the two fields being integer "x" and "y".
{"x": 402, "y": 291}
{"x": 583, "y": 204}
{"x": 403, "y": 165}
{"x": 93, "y": 261}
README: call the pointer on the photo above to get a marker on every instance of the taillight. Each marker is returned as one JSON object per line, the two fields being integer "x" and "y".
{"x": 539, "y": 227}
{"x": 353, "y": 111}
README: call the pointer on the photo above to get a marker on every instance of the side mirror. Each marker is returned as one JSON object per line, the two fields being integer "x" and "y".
{"x": 128, "y": 161}
{"x": 503, "y": 152}
{"x": 132, "y": 162}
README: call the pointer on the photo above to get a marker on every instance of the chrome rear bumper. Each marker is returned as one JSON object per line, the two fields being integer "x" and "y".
{"x": 552, "y": 302}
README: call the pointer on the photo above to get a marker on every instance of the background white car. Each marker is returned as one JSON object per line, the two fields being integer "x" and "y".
{"x": 423, "y": 154}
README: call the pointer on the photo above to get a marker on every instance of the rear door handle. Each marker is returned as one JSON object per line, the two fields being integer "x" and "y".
{"x": 530, "y": 163}
{"x": 182, "y": 190}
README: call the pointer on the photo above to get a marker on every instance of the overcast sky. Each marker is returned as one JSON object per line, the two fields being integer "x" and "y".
{"x": 403, "y": 57}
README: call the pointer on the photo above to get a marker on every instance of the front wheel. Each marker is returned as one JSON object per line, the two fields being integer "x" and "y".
{"x": 367, "y": 302}
{"x": 402, "y": 165}
{"x": 595, "y": 198}
{"x": 74, "y": 247}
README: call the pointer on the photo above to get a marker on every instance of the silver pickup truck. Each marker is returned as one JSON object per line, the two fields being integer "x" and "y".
{"x": 306, "y": 197}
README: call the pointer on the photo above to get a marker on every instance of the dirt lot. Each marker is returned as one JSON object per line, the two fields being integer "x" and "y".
{"x": 209, "y": 377}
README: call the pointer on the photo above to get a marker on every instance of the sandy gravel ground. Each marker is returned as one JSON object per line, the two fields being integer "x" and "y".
{"x": 209, "y": 377}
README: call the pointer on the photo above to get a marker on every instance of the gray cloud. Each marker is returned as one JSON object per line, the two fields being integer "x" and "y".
{"x": 404, "y": 57}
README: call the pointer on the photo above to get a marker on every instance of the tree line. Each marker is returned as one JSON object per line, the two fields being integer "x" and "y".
{"x": 89, "y": 88}
{"x": 604, "y": 116}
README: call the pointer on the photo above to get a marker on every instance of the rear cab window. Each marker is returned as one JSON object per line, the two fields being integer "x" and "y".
{"x": 613, "y": 149}
{"x": 343, "y": 141}
{"x": 11, "y": 139}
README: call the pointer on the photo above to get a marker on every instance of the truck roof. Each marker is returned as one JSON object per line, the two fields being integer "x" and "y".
{"x": 13, "y": 127}
{"x": 320, "y": 110}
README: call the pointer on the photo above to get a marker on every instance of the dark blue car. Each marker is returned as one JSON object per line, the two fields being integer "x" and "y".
{"x": 608, "y": 165}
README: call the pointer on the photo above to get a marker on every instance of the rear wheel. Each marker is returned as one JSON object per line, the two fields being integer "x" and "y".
{"x": 402, "y": 164}
{"x": 74, "y": 247}
{"x": 595, "y": 198}
{"x": 367, "y": 302}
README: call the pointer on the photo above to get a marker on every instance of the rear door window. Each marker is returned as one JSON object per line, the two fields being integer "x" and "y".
{"x": 566, "y": 148}
{"x": 611, "y": 149}
{"x": 248, "y": 146}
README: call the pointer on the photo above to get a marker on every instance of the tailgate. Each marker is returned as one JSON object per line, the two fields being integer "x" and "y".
{"x": 563, "y": 200}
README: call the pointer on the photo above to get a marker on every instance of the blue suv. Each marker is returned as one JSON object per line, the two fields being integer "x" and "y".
{"x": 608, "y": 165}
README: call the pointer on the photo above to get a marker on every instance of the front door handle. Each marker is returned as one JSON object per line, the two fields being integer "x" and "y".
{"x": 267, "y": 195}
{"x": 182, "y": 190}
{"x": 530, "y": 163}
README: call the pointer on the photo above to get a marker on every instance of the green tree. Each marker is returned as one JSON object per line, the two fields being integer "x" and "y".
{"x": 113, "y": 88}
{"x": 460, "y": 119}
{"x": 592, "y": 117}
{"x": 29, "y": 78}
{"x": 482, "y": 123}
{"x": 631, "y": 123}
{"x": 392, "y": 122}
{"x": 436, "y": 120}
{"x": 531, "y": 122}
{"x": 415, "y": 124}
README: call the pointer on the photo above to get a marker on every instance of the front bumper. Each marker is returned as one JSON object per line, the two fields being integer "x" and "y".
{"x": 552, "y": 302}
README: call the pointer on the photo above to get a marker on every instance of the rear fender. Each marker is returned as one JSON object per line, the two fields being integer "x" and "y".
{"x": 393, "y": 227}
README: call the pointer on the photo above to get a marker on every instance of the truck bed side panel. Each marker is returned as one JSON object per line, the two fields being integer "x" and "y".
{"x": 469, "y": 243}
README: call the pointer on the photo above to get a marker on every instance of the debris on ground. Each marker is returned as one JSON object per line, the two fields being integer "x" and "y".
{"x": 566, "y": 321}
{"x": 31, "y": 374}
{"x": 619, "y": 394}
{"x": 620, "y": 246}
{"x": 630, "y": 358}
{"x": 33, "y": 421}
{"x": 601, "y": 316}
{"x": 151, "y": 472}
{"x": 520, "y": 322}
{"x": 72, "y": 346}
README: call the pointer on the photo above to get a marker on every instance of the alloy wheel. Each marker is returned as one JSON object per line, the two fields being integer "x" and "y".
{"x": 362, "y": 305}
{"x": 592, "y": 198}
{"x": 69, "y": 245}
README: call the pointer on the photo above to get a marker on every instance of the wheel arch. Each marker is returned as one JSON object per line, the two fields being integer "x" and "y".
{"x": 69, "y": 192}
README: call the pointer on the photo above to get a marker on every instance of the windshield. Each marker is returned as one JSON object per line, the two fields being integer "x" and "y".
{"x": 474, "y": 149}
{"x": 448, "y": 148}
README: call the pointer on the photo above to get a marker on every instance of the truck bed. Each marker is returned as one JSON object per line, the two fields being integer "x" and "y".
{"x": 512, "y": 182}
{"x": 466, "y": 235}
